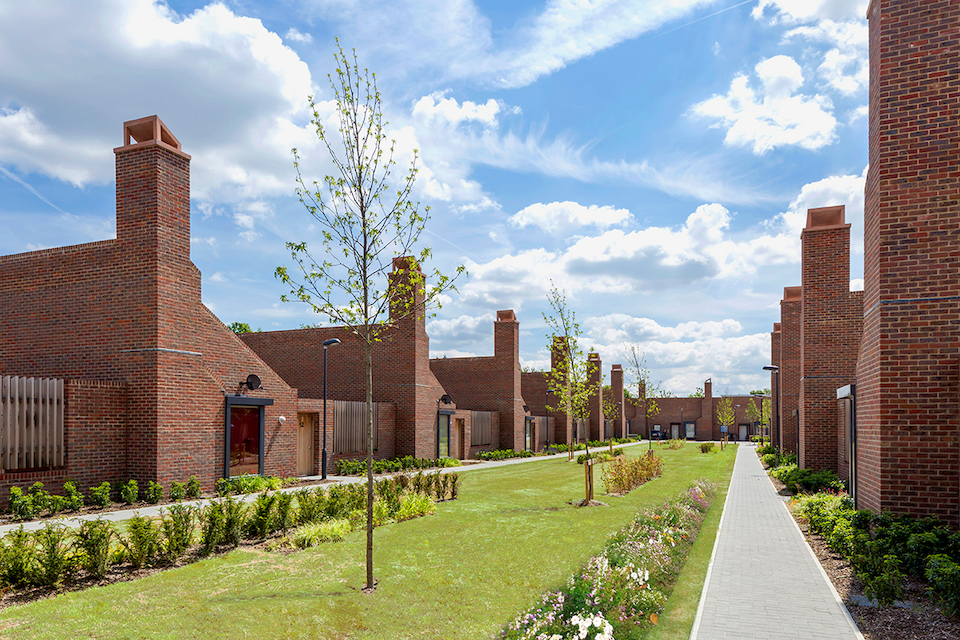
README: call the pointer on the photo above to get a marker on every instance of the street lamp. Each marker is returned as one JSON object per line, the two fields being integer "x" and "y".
{"x": 326, "y": 343}
{"x": 683, "y": 426}
{"x": 546, "y": 412}
{"x": 776, "y": 397}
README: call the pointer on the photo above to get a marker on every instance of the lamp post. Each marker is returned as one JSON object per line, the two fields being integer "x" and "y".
{"x": 683, "y": 426}
{"x": 776, "y": 398}
{"x": 546, "y": 412}
{"x": 326, "y": 343}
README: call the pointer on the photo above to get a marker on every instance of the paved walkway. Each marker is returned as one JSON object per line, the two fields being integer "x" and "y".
{"x": 155, "y": 510}
{"x": 764, "y": 581}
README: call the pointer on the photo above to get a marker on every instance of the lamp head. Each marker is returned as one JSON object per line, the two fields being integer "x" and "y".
{"x": 331, "y": 342}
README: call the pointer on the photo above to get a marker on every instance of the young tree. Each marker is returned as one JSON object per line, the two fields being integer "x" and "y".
{"x": 725, "y": 412}
{"x": 570, "y": 379}
{"x": 637, "y": 366}
{"x": 366, "y": 220}
{"x": 761, "y": 414}
{"x": 697, "y": 393}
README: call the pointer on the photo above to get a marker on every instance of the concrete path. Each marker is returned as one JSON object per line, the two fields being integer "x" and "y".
{"x": 152, "y": 511}
{"x": 764, "y": 581}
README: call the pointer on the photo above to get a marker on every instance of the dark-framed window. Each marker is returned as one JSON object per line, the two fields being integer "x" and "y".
{"x": 244, "y": 435}
{"x": 443, "y": 432}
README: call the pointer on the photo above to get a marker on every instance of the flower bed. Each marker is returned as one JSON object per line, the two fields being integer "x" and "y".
{"x": 624, "y": 589}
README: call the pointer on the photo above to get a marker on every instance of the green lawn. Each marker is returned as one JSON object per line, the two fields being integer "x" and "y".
{"x": 462, "y": 573}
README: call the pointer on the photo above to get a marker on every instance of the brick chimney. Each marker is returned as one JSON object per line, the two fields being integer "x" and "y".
{"x": 907, "y": 392}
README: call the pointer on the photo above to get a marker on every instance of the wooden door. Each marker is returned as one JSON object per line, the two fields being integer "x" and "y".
{"x": 305, "y": 444}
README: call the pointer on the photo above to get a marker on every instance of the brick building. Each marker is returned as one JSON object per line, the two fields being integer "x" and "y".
{"x": 151, "y": 375}
{"x": 878, "y": 371}
{"x": 150, "y": 380}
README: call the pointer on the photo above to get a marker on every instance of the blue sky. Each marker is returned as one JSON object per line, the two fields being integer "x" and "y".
{"x": 655, "y": 158}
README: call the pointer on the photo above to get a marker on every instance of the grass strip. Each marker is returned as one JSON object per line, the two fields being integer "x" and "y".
{"x": 462, "y": 573}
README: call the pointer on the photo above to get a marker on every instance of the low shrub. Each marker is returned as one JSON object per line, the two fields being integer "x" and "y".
{"x": 283, "y": 518}
{"x": 141, "y": 541}
{"x": 154, "y": 492}
{"x": 100, "y": 494}
{"x": 261, "y": 515}
{"x": 310, "y": 505}
{"x": 19, "y": 557}
{"x": 21, "y": 506}
{"x": 414, "y": 505}
{"x": 707, "y": 447}
{"x": 176, "y": 529}
{"x": 943, "y": 574}
{"x": 676, "y": 443}
{"x": 42, "y": 501}
{"x": 504, "y": 454}
{"x": 249, "y": 483}
{"x": 234, "y": 517}
{"x": 54, "y": 557}
{"x": 178, "y": 490}
{"x": 603, "y": 455}
{"x": 622, "y": 474}
{"x": 73, "y": 498}
{"x": 212, "y": 524}
{"x": 193, "y": 487}
{"x": 130, "y": 492}
{"x": 768, "y": 459}
{"x": 312, "y": 534}
{"x": 766, "y": 449}
{"x": 358, "y": 467}
{"x": 797, "y": 479}
{"x": 454, "y": 485}
{"x": 94, "y": 538}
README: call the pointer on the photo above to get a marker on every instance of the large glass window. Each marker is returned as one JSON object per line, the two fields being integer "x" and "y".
{"x": 244, "y": 440}
{"x": 443, "y": 435}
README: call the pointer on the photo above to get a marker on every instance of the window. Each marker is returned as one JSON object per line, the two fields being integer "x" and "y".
{"x": 243, "y": 437}
{"x": 443, "y": 434}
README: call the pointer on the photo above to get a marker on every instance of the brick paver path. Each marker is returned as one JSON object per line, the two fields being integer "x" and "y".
{"x": 764, "y": 581}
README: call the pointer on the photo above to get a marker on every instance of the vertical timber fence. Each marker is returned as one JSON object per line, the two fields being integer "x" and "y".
{"x": 31, "y": 423}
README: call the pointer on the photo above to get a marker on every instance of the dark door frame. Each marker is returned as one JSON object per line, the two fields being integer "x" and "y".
{"x": 242, "y": 401}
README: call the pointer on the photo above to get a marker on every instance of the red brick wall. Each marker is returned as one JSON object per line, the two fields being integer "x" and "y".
{"x": 595, "y": 404}
{"x": 402, "y": 373}
{"x": 776, "y": 353}
{"x": 907, "y": 377}
{"x": 95, "y": 436}
{"x": 128, "y": 310}
{"x": 616, "y": 388}
{"x": 830, "y": 325}
{"x": 789, "y": 363}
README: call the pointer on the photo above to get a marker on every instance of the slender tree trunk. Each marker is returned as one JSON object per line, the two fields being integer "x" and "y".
{"x": 569, "y": 420}
{"x": 368, "y": 348}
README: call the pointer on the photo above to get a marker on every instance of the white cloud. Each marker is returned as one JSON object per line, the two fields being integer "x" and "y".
{"x": 846, "y": 66}
{"x": 451, "y": 353}
{"x": 792, "y": 11}
{"x": 622, "y": 328}
{"x": 463, "y": 328}
{"x": 456, "y": 40}
{"x": 218, "y": 277}
{"x": 856, "y": 284}
{"x": 653, "y": 259}
{"x": 436, "y": 106}
{"x": 226, "y": 86}
{"x": 296, "y": 36}
{"x": 561, "y": 217}
{"x": 774, "y": 117}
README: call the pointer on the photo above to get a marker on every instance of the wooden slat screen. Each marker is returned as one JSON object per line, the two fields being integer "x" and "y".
{"x": 31, "y": 423}
{"x": 543, "y": 424}
{"x": 350, "y": 426}
{"x": 480, "y": 432}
